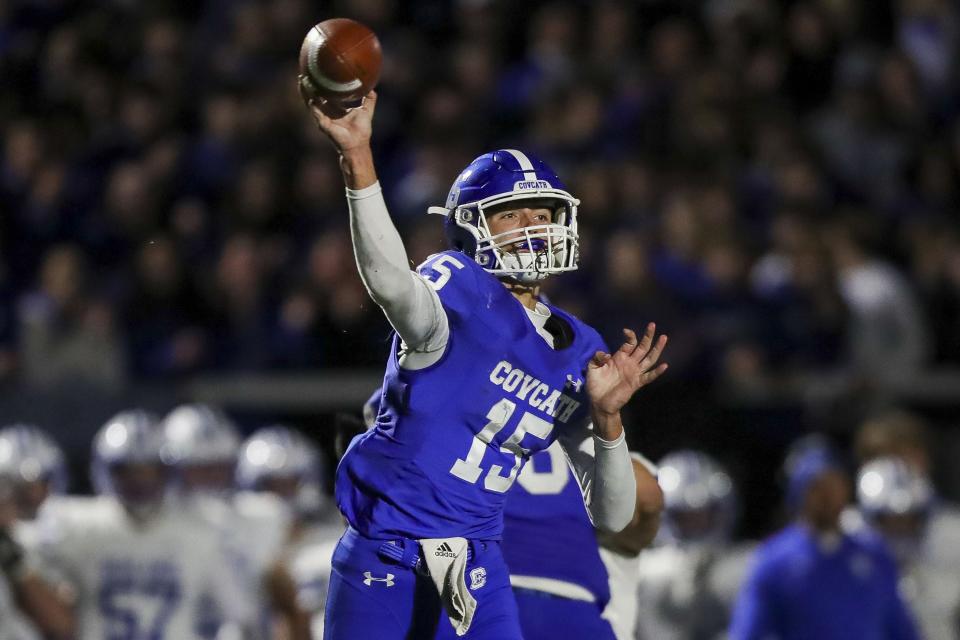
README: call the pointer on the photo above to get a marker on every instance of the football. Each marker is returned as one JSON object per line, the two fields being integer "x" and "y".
{"x": 340, "y": 60}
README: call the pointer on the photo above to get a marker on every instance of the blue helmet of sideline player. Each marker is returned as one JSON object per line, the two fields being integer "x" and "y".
{"x": 283, "y": 461}
{"x": 506, "y": 178}
{"x": 700, "y": 501}
{"x": 35, "y": 465}
{"x": 127, "y": 460}
{"x": 202, "y": 445}
{"x": 895, "y": 501}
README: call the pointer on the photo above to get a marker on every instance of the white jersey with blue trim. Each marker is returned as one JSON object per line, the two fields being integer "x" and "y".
{"x": 165, "y": 578}
{"x": 451, "y": 438}
{"x": 689, "y": 592}
{"x": 14, "y": 624}
{"x": 253, "y": 528}
{"x": 310, "y": 561}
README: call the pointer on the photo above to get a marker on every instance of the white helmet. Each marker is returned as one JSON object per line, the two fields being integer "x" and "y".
{"x": 279, "y": 452}
{"x": 28, "y": 454}
{"x": 199, "y": 434}
{"x": 700, "y": 500}
{"x": 128, "y": 438}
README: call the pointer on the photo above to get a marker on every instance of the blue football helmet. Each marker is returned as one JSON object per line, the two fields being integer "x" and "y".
{"x": 700, "y": 500}
{"x": 279, "y": 453}
{"x": 199, "y": 434}
{"x": 28, "y": 454}
{"x": 128, "y": 438}
{"x": 510, "y": 176}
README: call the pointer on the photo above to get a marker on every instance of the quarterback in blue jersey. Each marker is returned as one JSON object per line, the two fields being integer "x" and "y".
{"x": 481, "y": 375}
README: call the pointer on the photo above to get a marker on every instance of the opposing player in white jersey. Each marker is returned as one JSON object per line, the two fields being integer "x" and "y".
{"x": 28, "y": 607}
{"x": 34, "y": 467}
{"x": 896, "y": 503}
{"x": 136, "y": 565}
{"x": 281, "y": 461}
{"x": 689, "y": 583}
{"x": 202, "y": 447}
{"x": 904, "y": 435}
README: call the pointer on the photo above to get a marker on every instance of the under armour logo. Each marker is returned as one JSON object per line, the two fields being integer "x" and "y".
{"x": 368, "y": 579}
{"x": 576, "y": 384}
{"x": 478, "y": 578}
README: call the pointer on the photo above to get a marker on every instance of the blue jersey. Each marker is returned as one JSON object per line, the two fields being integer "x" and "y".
{"x": 451, "y": 438}
{"x": 547, "y": 533}
{"x": 799, "y": 591}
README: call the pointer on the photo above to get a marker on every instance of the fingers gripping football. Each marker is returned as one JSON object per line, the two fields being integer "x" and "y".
{"x": 346, "y": 128}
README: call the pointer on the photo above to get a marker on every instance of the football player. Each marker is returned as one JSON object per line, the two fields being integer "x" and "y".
{"x": 137, "y": 565}
{"x": 33, "y": 461}
{"x": 280, "y": 461}
{"x": 481, "y": 375}
{"x": 897, "y": 502}
{"x": 561, "y": 578}
{"x": 34, "y": 467}
{"x": 28, "y": 606}
{"x": 202, "y": 447}
{"x": 905, "y": 435}
{"x": 688, "y": 584}
{"x": 812, "y": 579}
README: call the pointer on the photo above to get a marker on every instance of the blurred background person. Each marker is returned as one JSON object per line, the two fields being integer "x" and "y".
{"x": 888, "y": 331}
{"x": 620, "y": 552}
{"x": 690, "y": 581}
{"x": 29, "y": 608}
{"x": 812, "y": 580}
{"x": 33, "y": 469}
{"x": 282, "y": 461}
{"x": 896, "y": 503}
{"x": 68, "y": 335}
{"x": 202, "y": 447}
{"x": 35, "y": 465}
{"x": 129, "y": 561}
{"x": 905, "y": 435}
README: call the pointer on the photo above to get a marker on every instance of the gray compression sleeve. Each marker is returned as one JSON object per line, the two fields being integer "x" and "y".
{"x": 604, "y": 471}
{"x": 409, "y": 302}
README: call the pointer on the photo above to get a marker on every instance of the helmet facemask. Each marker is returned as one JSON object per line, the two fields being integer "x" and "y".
{"x": 527, "y": 254}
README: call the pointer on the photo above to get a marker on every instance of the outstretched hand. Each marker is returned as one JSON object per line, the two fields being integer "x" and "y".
{"x": 613, "y": 379}
{"x": 347, "y": 128}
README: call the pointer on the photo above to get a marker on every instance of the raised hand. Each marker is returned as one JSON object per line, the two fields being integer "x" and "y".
{"x": 613, "y": 379}
{"x": 347, "y": 128}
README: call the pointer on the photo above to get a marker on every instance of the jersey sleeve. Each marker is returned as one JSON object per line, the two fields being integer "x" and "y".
{"x": 454, "y": 276}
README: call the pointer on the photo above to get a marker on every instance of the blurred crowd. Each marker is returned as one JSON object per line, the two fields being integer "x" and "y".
{"x": 773, "y": 182}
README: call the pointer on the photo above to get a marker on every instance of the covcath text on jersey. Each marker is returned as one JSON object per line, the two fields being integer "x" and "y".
{"x": 514, "y": 380}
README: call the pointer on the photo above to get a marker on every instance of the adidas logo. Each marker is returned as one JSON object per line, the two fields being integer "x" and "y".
{"x": 444, "y": 551}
